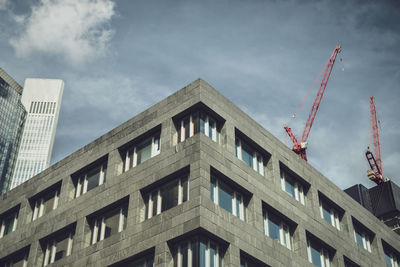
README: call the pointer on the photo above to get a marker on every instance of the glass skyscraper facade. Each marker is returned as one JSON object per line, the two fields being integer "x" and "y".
{"x": 12, "y": 118}
{"x": 42, "y": 100}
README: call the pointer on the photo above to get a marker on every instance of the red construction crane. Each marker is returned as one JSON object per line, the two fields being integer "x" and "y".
{"x": 375, "y": 174}
{"x": 300, "y": 147}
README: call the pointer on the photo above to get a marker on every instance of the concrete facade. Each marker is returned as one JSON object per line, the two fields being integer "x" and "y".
{"x": 200, "y": 157}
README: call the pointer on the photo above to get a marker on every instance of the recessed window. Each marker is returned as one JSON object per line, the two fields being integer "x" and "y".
{"x": 198, "y": 251}
{"x": 57, "y": 246}
{"x": 349, "y": 263}
{"x": 330, "y": 212}
{"x": 8, "y": 221}
{"x": 362, "y": 235}
{"x": 392, "y": 256}
{"x": 292, "y": 186}
{"x": 141, "y": 150}
{"x": 225, "y": 196}
{"x": 90, "y": 177}
{"x": 392, "y": 260}
{"x": 197, "y": 121}
{"x": 318, "y": 253}
{"x": 248, "y": 261}
{"x": 146, "y": 260}
{"x": 167, "y": 195}
{"x": 277, "y": 228}
{"x": 108, "y": 222}
{"x": 250, "y": 155}
{"x": 45, "y": 202}
{"x": 16, "y": 259}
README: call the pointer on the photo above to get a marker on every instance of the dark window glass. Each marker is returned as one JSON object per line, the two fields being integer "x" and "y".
{"x": 48, "y": 202}
{"x": 327, "y": 214}
{"x": 316, "y": 256}
{"x": 247, "y": 154}
{"x": 196, "y": 122}
{"x": 225, "y": 195}
{"x": 61, "y": 246}
{"x": 185, "y": 189}
{"x": 359, "y": 239}
{"x": 289, "y": 186}
{"x": 93, "y": 178}
{"x": 184, "y": 251}
{"x": 112, "y": 223}
{"x": 203, "y": 248}
{"x": 169, "y": 195}
{"x": 143, "y": 151}
{"x": 273, "y": 227}
{"x": 8, "y": 224}
{"x": 195, "y": 254}
{"x": 213, "y": 253}
{"x": 154, "y": 197}
{"x": 202, "y": 123}
{"x": 142, "y": 262}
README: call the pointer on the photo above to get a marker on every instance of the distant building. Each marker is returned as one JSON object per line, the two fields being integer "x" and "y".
{"x": 42, "y": 100}
{"x": 12, "y": 118}
{"x": 382, "y": 200}
{"x": 192, "y": 181}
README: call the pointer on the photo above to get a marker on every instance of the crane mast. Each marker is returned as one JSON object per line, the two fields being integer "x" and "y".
{"x": 375, "y": 162}
{"x": 300, "y": 147}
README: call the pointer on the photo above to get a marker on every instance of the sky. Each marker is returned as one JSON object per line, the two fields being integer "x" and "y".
{"x": 119, "y": 57}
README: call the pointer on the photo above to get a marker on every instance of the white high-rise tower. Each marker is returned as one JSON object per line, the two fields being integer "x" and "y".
{"x": 42, "y": 100}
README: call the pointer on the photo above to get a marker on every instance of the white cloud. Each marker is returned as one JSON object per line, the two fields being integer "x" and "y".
{"x": 77, "y": 30}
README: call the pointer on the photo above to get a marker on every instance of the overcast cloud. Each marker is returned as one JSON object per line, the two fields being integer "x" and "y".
{"x": 76, "y": 30}
{"x": 119, "y": 57}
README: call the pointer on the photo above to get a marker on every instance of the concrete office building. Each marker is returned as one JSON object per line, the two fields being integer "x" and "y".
{"x": 42, "y": 100}
{"x": 191, "y": 181}
{"x": 12, "y": 119}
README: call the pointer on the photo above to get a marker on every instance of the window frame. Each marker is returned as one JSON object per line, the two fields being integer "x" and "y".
{"x": 98, "y": 223}
{"x": 258, "y": 162}
{"x": 156, "y": 192}
{"x": 285, "y": 233}
{"x": 195, "y": 116}
{"x": 14, "y": 213}
{"x": 324, "y": 253}
{"x": 130, "y": 153}
{"x": 9, "y": 260}
{"x": 38, "y": 203}
{"x": 50, "y": 249}
{"x": 81, "y": 181}
{"x": 144, "y": 259}
{"x": 299, "y": 192}
{"x": 393, "y": 258}
{"x": 194, "y": 251}
{"x": 333, "y": 212}
{"x": 237, "y": 198}
{"x": 365, "y": 238}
